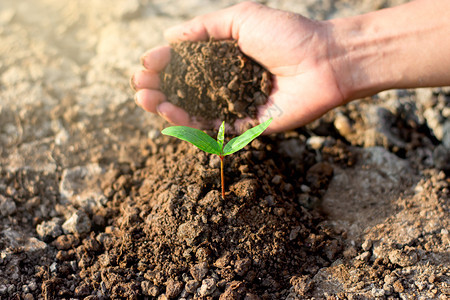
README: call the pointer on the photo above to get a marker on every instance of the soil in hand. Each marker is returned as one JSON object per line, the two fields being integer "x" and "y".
{"x": 215, "y": 80}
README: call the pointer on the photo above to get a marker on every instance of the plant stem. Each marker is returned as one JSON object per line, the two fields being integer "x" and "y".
{"x": 222, "y": 177}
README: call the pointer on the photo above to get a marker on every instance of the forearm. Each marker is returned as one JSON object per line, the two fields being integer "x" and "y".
{"x": 406, "y": 46}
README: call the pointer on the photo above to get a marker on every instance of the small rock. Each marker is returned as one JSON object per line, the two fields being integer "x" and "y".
{"x": 377, "y": 292}
{"x": 223, "y": 261}
{"x": 49, "y": 230}
{"x": 149, "y": 289}
{"x": 28, "y": 296}
{"x": 234, "y": 290}
{"x": 53, "y": 267}
{"x": 208, "y": 287}
{"x": 242, "y": 266}
{"x": 199, "y": 271}
{"x": 173, "y": 288}
{"x": 342, "y": 124}
{"x": 191, "y": 286}
{"x": 363, "y": 256}
{"x": 3, "y": 289}
{"x": 316, "y": 142}
{"x": 305, "y": 189}
{"x": 398, "y": 287}
{"x": 82, "y": 290}
{"x": 194, "y": 191}
{"x": 403, "y": 259}
{"x": 388, "y": 289}
{"x": 446, "y": 135}
{"x": 78, "y": 223}
{"x": 441, "y": 158}
{"x": 294, "y": 233}
{"x": 276, "y": 179}
{"x": 367, "y": 245}
{"x": 7, "y": 206}
{"x": 434, "y": 119}
{"x": 65, "y": 242}
{"x": 189, "y": 231}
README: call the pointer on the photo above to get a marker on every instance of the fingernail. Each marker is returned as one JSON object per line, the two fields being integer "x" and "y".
{"x": 174, "y": 33}
{"x": 161, "y": 114}
{"x": 136, "y": 100}
{"x": 143, "y": 60}
{"x": 132, "y": 83}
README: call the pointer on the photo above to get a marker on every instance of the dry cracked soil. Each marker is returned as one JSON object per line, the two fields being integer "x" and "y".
{"x": 96, "y": 204}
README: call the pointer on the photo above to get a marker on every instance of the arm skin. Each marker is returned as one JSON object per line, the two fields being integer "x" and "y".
{"x": 316, "y": 66}
{"x": 407, "y": 46}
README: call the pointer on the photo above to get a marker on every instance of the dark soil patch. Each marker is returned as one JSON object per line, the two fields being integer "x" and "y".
{"x": 166, "y": 229}
{"x": 215, "y": 80}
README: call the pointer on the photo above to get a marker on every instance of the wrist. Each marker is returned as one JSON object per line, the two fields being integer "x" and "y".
{"x": 362, "y": 60}
{"x": 399, "y": 47}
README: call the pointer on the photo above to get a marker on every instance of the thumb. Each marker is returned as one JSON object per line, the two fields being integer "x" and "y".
{"x": 222, "y": 24}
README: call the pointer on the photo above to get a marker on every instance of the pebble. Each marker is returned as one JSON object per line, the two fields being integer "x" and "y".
{"x": 367, "y": 244}
{"x": 78, "y": 223}
{"x": 49, "y": 230}
{"x": 342, "y": 124}
{"x": 199, "y": 271}
{"x": 276, "y": 179}
{"x": 434, "y": 120}
{"x": 441, "y": 157}
{"x": 207, "y": 288}
{"x": 173, "y": 288}
{"x": 191, "y": 286}
{"x": 7, "y": 206}
{"x": 398, "y": 287}
{"x": 403, "y": 259}
{"x": 316, "y": 142}
{"x": 242, "y": 266}
{"x": 149, "y": 288}
{"x": 189, "y": 231}
{"x": 364, "y": 256}
{"x": 305, "y": 189}
{"x": 377, "y": 292}
{"x": 388, "y": 289}
{"x": 65, "y": 242}
{"x": 446, "y": 135}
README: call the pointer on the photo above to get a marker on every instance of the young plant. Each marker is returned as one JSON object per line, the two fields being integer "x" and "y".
{"x": 206, "y": 143}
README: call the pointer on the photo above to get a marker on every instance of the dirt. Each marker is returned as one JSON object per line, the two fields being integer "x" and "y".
{"x": 214, "y": 80}
{"x": 96, "y": 204}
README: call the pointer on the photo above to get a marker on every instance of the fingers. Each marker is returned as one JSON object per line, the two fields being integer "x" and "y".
{"x": 149, "y": 99}
{"x": 174, "y": 114}
{"x": 156, "y": 59}
{"x": 144, "y": 79}
{"x": 222, "y": 24}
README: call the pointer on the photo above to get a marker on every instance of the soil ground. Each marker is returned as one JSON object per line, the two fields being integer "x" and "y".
{"x": 96, "y": 204}
{"x": 215, "y": 81}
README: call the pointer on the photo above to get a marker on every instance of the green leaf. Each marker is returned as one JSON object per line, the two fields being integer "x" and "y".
{"x": 241, "y": 141}
{"x": 221, "y": 136}
{"x": 194, "y": 136}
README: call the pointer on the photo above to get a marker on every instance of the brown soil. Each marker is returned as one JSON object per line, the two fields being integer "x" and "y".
{"x": 214, "y": 80}
{"x": 166, "y": 229}
{"x": 326, "y": 211}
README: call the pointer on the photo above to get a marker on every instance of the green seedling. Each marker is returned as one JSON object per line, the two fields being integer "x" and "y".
{"x": 206, "y": 143}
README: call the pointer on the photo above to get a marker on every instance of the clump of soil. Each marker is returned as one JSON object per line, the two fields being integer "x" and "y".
{"x": 215, "y": 80}
{"x": 166, "y": 231}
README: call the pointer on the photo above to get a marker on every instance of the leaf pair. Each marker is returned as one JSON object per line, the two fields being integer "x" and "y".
{"x": 206, "y": 143}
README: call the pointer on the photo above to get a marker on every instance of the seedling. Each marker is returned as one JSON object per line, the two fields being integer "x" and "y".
{"x": 206, "y": 143}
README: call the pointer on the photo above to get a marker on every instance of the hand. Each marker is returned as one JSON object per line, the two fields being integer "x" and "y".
{"x": 293, "y": 48}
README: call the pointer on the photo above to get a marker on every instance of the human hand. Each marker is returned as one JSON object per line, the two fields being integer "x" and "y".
{"x": 294, "y": 49}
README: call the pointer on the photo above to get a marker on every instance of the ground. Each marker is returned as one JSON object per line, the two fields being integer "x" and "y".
{"x": 96, "y": 204}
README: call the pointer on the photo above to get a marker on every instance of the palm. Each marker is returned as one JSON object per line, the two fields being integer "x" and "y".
{"x": 304, "y": 84}
{"x": 292, "y": 48}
